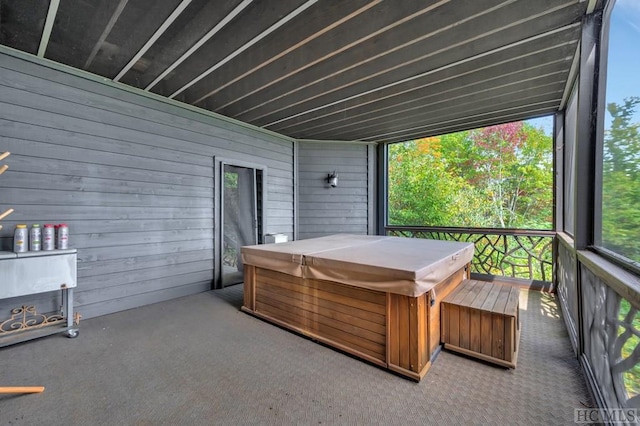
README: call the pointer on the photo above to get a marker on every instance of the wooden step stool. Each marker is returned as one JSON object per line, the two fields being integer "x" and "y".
{"x": 482, "y": 319}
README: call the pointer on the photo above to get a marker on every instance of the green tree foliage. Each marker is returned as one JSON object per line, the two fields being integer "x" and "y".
{"x": 498, "y": 177}
{"x": 420, "y": 187}
{"x": 621, "y": 181}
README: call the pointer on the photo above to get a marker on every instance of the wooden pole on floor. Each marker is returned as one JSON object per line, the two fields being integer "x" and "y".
{"x": 21, "y": 389}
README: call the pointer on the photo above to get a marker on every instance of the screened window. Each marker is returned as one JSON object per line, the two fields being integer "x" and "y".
{"x": 571, "y": 117}
{"x": 620, "y": 208}
{"x": 492, "y": 177}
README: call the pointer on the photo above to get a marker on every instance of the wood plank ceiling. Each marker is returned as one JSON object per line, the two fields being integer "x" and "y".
{"x": 370, "y": 70}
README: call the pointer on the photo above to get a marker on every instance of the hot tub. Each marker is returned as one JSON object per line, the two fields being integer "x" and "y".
{"x": 375, "y": 297}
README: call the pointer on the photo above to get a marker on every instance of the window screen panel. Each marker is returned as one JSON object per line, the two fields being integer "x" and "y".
{"x": 22, "y": 22}
{"x": 620, "y": 209}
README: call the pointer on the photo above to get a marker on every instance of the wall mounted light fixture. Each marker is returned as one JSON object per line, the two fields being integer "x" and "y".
{"x": 332, "y": 179}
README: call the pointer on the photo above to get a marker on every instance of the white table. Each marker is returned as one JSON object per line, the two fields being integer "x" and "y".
{"x": 29, "y": 273}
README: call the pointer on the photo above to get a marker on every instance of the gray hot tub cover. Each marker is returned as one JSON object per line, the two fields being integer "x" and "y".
{"x": 408, "y": 266}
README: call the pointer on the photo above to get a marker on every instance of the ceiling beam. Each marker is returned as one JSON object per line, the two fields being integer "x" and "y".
{"x": 519, "y": 98}
{"x": 573, "y": 72}
{"x": 165, "y": 25}
{"x": 48, "y": 27}
{"x": 246, "y": 46}
{"x": 106, "y": 32}
{"x": 438, "y": 110}
{"x": 235, "y": 12}
{"x": 406, "y": 110}
{"x": 266, "y": 114}
{"x": 336, "y": 52}
{"x": 345, "y": 112}
{"x": 425, "y": 131}
{"x": 274, "y": 58}
{"x": 396, "y": 83}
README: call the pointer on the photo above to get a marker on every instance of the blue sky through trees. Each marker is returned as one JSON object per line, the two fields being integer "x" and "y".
{"x": 623, "y": 69}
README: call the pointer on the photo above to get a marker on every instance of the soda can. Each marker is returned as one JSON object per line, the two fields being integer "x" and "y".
{"x": 21, "y": 239}
{"x": 35, "y": 237}
{"x": 63, "y": 237}
{"x": 48, "y": 237}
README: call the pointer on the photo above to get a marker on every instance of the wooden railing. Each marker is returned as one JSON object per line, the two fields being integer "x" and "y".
{"x": 610, "y": 329}
{"x": 504, "y": 252}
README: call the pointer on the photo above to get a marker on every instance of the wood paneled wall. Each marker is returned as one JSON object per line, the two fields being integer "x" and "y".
{"x": 132, "y": 175}
{"x": 348, "y": 208}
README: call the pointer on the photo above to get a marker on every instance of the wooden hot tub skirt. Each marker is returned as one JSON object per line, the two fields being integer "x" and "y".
{"x": 397, "y": 332}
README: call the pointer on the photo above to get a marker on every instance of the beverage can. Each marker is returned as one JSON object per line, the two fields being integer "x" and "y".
{"x": 21, "y": 239}
{"x": 63, "y": 237}
{"x": 35, "y": 237}
{"x": 48, "y": 237}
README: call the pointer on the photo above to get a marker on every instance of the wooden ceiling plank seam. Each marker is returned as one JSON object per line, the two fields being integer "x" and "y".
{"x": 554, "y": 93}
{"x": 448, "y": 48}
{"x": 373, "y": 58}
{"x": 548, "y": 81}
{"x": 591, "y": 6}
{"x": 156, "y": 35}
{"x": 343, "y": 101}
{"x": 573, "y": 72}
{"x": 514, "y": 114}
{"x": 378, "y": 119}
{"x": 375, "y": 116}
{"x": 403, "y": 114}
{"x": 418, "y": 132}
{"x": 316, "y": 27}
{"x": 190, "y": 27}
{"x": 456, "y": 76}
{"x": 492, "y": 113}
{"x": 246, "y": 46}
{"x": 457, "y": 87}
{"x": 398, "y": 66}
{"x": 48, "y": 27}
{"x": 232, "y": 15}
{"x": 551, "y": 96}
{"x": 337, "y": 52}
{"x": 345, "y": 126}
{"x": 107, "y": 30}
{"x": 421, "y": 75}
{"x": 255, "y": 19}
{"x": 452, "y": 117}
{"x": 290, "y": 49}
{"x": 541, "y": 112}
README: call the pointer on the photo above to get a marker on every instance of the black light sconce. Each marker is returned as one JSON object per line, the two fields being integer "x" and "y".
{"x": 332, "y": 179}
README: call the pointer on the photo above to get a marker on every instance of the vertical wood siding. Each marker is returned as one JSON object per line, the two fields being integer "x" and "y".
{"x": 345, "y": 209}
{"x": 132, "y": 176}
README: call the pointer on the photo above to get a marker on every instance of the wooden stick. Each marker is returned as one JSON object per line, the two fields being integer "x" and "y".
{"x": 4, "y": 155}
{"x": 5, "y": 214}
{"x": 3, "y": 169}
{"x": 22, "y": 389}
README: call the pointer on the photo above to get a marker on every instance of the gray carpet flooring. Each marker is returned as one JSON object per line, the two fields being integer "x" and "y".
{"x": 198, "y": 360}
